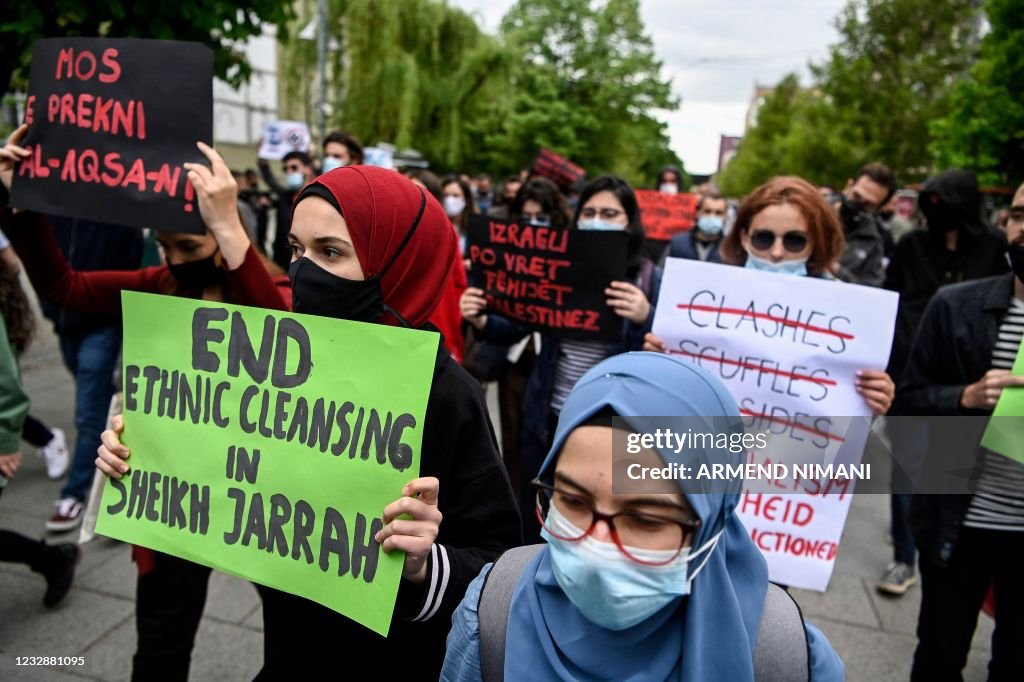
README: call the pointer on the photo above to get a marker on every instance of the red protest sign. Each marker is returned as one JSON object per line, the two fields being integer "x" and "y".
{"x": 549, "y": 279}
{"x": 664, "y": 215}
{"x": 557, "y": 168}
{"x": 111, "y": 121}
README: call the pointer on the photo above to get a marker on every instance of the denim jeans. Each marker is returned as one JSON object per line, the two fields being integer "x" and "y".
{"x": 91, "y": 359}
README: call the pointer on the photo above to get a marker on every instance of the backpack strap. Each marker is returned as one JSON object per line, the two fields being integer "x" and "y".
{"x": 782, "y": 652}
{"x": 492, "y": 611}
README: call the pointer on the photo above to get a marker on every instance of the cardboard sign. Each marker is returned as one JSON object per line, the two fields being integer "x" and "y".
{"x": 549, "y": 279}
{"x": 557, "y": 168}
{"x": 789, "y": 349}
{"x": 282, "y": 137}
{"x": 111, "y": 121}
{"x": 267, "y": 444}
{"x": 664, "y": 215}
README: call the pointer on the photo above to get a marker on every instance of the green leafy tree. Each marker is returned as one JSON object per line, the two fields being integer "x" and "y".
{"x": 984, "y": 128}
{"x": 886, "y": 79}
{"x": 587, "y": 86}
{"x": 220, "y": 23}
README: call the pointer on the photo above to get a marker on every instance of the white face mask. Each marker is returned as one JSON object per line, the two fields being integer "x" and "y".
{"x": 330, "y": 163}
{"x": 668, "y": 188}
{"x": 797, "y": 266}
{"x": 609, "y": 588}
{"x": 454, "y": 206}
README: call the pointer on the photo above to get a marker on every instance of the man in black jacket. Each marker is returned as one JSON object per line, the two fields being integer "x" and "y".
{"x": 298, "y": 171}
{"x": 863, "y": 260}
{"x": 956, "y": 246}
{"x": 702, "y": 242}
{"x": 959, "y": 365}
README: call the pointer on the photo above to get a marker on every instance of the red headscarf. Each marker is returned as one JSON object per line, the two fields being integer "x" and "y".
{"x": 380, "y": 207}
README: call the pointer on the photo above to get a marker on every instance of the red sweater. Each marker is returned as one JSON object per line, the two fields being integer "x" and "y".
{"x": 100, "y": 291}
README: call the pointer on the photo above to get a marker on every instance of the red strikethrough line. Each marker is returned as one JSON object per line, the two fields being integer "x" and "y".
{"x": 795, "y": 425}
{"x": 792, "y": 375}
{"x": 765, "y": 316}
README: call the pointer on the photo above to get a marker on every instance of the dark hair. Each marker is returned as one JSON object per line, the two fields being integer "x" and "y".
{"x": 881, "y": 174}
{"x": 674, "y": 171}
{"x": 303, "y": 158}
{"x": 355, "y": 147}
{"x": 823, "y": 228}
{"x": 18, "y": 316}
{"x": 429, "y": 180}
{"x": 545, "y": 193}
{"x": 462, "y": 222}
{"x": 714, "y": 194}
{"x": 634, "y": 227}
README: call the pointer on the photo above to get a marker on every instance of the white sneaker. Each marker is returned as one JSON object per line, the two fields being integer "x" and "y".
{"x": 55, "y": 455}
{"x": 67, "y": 516}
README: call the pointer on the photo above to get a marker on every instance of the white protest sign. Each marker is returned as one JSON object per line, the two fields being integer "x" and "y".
{"x": 788, "y": 349}
{"x": 281, "y": 137}
{"x": 380, "y": 157}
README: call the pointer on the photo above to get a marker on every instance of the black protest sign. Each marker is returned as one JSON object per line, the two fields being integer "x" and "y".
{"x": 557, "y": 168}
{"x": 549, "y": 279}
{"x": 111, "y": 121}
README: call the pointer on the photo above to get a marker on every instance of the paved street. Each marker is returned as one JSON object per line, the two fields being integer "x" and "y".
{"x": 873, "y": 635}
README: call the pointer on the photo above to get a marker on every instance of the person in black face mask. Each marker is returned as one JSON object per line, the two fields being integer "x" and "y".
{"x": 220, "y": 265}
{"x": 863, "y": 260}
{"x": 959, "y": 365}
{"x": 369, "y": 245}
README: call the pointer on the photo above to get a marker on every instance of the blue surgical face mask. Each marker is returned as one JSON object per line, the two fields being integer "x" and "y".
{"x": 598, "y": 224}
{"x": 331, "y": 163}
{"x": 710, "y": 224}
{"x": 785, "y": 267}
{"x": 295, "y": 180}
{"x": 610, "y": 589}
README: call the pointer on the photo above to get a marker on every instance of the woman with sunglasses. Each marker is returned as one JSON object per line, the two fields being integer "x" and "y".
{"x": 787, "y": 228}
{"x": 659, "y": 583}
{"x": 606, "y": 203}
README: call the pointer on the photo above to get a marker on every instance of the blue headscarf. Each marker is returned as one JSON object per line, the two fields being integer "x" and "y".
{"x": 707, "y": 636}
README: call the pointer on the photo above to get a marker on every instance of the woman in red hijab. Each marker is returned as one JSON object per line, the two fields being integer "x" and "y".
{"x": 369, "y": 245}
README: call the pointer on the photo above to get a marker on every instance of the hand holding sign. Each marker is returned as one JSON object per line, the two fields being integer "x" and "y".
{"x": 217, "y": 193}
{"x": 415, "y": 533}
{"x": 11, "y": 154}
{"x": 112, "y": 454}
{"x": 473, "y": 303}
{"x": 628, "y": 301}
{"x": 877, "y": 389}
{"x": 984, "y": 393}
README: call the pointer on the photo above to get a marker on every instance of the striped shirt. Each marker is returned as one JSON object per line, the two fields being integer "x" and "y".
{"x": 575, "y": 358}
{"x": 998, "y": 501}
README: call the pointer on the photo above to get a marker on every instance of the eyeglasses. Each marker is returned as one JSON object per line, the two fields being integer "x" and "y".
{"x": 605, "y": 213}
{"x": 631, "y": 530}
{"x": 794, "y": 241}
{"x": 538, "y": 219}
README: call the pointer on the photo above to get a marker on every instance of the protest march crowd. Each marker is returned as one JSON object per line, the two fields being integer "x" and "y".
{"x": 520, "y": 560}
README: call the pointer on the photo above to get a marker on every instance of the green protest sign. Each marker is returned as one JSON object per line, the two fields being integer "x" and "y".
{"x": 267, "y": 444}
{"x": 1002, "y": 435}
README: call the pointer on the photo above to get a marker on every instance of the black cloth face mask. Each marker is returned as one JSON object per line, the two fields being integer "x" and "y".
{"x": 197, "y": 274}
{"x": 316, "y": 291}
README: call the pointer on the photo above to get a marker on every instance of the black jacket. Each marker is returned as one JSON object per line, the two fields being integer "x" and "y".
{"x": 863, "y": 259}
{"x": 953, "y": 348}
{"x": 89, "y": 246}
{"x": 684, "y": 245}
{"x": 480, "y": 521}
{"x": 922, "y": 263}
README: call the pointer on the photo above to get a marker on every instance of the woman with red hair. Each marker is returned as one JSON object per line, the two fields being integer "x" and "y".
{"x": 785, "y": 227}
{"x": 369, "y": 245}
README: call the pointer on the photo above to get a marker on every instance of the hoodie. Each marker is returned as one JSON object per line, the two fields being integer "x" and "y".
{"x": 923, "y": 263}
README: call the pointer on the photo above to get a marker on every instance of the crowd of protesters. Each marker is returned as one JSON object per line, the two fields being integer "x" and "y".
{"x": 613, "y": 586}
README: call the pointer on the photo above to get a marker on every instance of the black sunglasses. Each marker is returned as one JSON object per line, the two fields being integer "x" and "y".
{"x": 794, "y": 242}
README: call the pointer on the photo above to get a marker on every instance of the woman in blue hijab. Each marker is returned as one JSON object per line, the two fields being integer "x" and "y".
{"x": 634, "y": 586}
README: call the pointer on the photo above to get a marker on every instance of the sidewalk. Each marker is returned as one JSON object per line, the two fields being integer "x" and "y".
{"x": 873, "y": 635}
